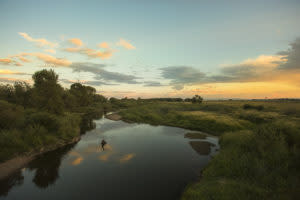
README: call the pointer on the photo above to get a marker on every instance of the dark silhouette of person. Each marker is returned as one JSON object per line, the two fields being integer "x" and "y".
{"x": 103, "y": 143}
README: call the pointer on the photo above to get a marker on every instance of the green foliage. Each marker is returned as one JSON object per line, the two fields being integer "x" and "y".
{"x": 249, "y": 106}
{"x": 253, "y": 165}
{"x": 197, "y": 99}
{"x": 173, "y": 115}
{"x": 45, "y": 114}
{"x": 84, "y": 94}
{"x": 47, "y": 92}
{"x": 10, "y": 115}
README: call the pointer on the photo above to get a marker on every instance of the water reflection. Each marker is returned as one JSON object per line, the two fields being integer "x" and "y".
{"x": 8, "y": 183}
{"x": 46, "y": 167}
{"x": 202, "y": 147}
{"x": 127, "y": 157}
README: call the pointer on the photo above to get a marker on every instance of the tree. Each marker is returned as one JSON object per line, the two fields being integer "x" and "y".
{"x": 197, "y": 99}
{"x": 84, "y": 94}
{"x": 47, "y": 93}
{"x": 22, "y": 92}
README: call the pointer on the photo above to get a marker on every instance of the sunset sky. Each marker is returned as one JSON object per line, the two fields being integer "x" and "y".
{"x": 179, "y": 48}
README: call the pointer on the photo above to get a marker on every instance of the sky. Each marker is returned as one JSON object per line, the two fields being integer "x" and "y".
{"x": 178, "y": 48}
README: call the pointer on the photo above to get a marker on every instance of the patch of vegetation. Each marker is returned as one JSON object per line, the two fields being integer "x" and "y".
{"x": 259, "y": 156}
{"x": 33, "y": 117}
{"x": 258, "y": 164}
{"x": 249, "y": 106}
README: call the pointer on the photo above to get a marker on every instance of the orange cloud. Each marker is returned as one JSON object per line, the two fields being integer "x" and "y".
{"x": 5, "y": 60}
{"x": 9, "y": 61}
{"x": 76, "y": 41}
{"x": 12, "y": 80}
{"x": 52, "y": 60}
{"x": 91, "y": 52}
{"x": 50, "y": 51}
{"x": 103, "y": 45}
{"x": 125, "y": 44}
{"x": 4, "y": 71}
{"x": 39, "y": 42}
{"x": 95, "y": 54}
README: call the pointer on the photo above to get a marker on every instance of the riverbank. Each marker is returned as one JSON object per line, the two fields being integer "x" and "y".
{"x": 114, "y": 116}
{"x": 10, "y": 166}
{"x": 260, "y": 146}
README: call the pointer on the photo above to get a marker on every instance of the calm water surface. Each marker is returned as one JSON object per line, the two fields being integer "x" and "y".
{"x": 139, "y": 161}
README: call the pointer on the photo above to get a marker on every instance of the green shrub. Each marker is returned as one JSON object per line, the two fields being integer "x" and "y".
{"x": 45, "y": 119}
{"x": 258, "y": 164}
{"x": 11, "y": 116}
{"x": 255, "y": 107}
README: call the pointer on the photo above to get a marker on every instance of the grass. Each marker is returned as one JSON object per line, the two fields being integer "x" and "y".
{"x": 260, "y": 145}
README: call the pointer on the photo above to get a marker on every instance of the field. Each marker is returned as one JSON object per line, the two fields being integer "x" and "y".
{"x": 260, "y": 145}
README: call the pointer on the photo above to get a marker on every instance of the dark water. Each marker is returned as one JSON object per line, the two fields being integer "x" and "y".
{"x": 139, "y": 161}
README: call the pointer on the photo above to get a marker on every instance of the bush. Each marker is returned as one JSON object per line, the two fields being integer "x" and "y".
{"x": 249, "y": 106}
{"x": 45, "y": 119}
{"x": 11, "y": 116}
{"x": 253, "y": 165}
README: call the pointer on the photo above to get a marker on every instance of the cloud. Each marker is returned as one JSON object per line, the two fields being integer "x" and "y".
{"x": 86, "y": 82}
{"x": 292, "y": 56}
{"x": 50, "y": 51}
{"x": 12, "y": 80}
{"x": 76, "y": 41}
{"x": 9, "y": 61}
{"x": 262, "y": 68}
{"x": 41, "y": 56}
{"x": 51, "y": 60}
{"x": 181, "y": 75}
{"x": 4, "y": 71}
{"x": 5, "y": 60}
{"x": 21, "y": 57}
{"x": 152, "y": 84}
{"x": 125, "y": 44}
{"x": 250, "y": 69}
{"x": 282, "y": 67}
{"x": 91, "y": 53}
{"x": 41, "y": 42}
{"x": 101, "y": 74}
{"x": 103, "y": 45}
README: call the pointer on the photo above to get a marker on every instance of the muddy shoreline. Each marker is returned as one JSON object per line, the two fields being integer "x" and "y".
{"x": 114, "y": 116}
{"x": 10, "y": 166}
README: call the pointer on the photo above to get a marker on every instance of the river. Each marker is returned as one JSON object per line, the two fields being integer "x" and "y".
{"x": 139, "y": 161}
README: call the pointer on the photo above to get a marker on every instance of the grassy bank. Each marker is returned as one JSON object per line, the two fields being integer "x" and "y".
{"x": 260, "y": 145}
{"x": 25, "y": 130}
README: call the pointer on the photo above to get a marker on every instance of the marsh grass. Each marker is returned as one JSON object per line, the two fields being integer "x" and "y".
{"x": 260, "y": 148}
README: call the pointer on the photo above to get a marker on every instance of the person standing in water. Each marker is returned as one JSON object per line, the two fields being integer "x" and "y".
{"x": 103, "y": 143}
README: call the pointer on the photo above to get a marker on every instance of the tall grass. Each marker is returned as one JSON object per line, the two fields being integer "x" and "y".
{"x": 259, "y": 164}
